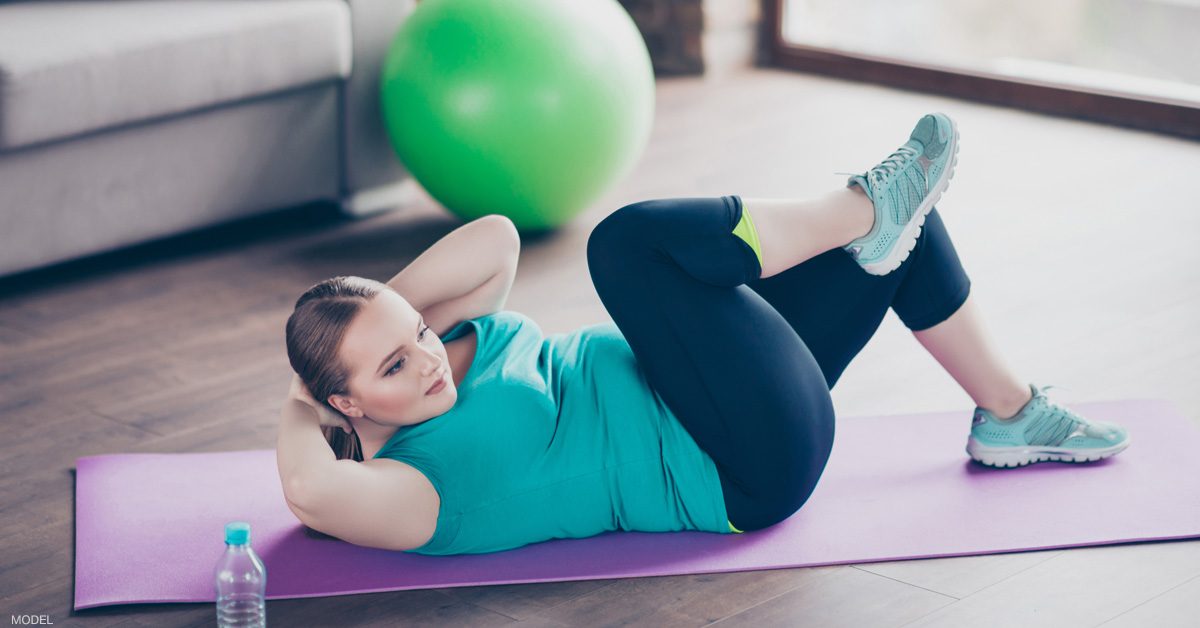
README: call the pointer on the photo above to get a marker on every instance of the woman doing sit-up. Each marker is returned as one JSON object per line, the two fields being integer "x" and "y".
{"x": 444, "y": 424}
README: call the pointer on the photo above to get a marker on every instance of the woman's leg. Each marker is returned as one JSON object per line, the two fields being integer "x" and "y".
{"x": 672, "y": 274}
{"x": 933, "y": 302}
{"x": 836, "y": 307}
{"x": 962, "y": 346}
{"x": 755, "y": 397}
{"x": 791, "y": 231}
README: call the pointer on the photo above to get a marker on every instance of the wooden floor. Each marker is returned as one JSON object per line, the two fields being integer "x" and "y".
{"x": 1079, "y": 238}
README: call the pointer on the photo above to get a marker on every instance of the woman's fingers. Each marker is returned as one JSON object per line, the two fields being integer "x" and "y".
{"x": 333, "y": 419}
{"x": 325, "y": 416}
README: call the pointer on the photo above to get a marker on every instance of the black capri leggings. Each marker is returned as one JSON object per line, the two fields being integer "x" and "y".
{"x": 746, "y": 363}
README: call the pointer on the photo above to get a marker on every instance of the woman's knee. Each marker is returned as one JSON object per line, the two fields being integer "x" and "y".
{"x": 935, "y": 284}
{"x": 936, "y": 237}
{"x": 614, "y": 239}
{"x": 626, "y": 222}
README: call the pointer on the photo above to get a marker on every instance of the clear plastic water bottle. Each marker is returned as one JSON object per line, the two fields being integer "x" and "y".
{"x": 241, "y": 581}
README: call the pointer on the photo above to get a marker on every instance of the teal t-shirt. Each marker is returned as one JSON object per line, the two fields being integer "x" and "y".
{"x": 556, "y": 437}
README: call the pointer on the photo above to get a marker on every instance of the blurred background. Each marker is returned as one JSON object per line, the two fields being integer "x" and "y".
{"x": 1141, "y": 48}
{"x": 175, "y": 173}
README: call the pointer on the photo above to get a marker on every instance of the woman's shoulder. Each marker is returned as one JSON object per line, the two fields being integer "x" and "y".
{"x": 410, "y": 496}
{"x": 503, "y": 324}
{"x": 510, "y": 317}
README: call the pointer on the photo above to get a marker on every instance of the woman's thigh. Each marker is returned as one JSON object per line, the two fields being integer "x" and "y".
{"x": 727, "y": 364}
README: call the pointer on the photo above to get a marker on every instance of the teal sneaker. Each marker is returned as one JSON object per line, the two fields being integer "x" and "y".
{"x": 904, "y": 188}
{"x": 1043, "y": 430}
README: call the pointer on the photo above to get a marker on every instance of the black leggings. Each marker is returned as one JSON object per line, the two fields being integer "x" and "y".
{"x": 746, "y": 363}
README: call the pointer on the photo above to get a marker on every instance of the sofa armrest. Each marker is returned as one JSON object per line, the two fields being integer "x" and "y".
{"x": 368, "y": 161}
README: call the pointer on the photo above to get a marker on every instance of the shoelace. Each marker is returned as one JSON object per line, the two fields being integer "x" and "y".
{"x": 889, "y": 165}
{"x": 1059, "y": 415}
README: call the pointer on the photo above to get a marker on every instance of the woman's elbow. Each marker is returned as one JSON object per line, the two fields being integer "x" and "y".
{"x": 506, "y": 233}
{"x": 294, "y": 493}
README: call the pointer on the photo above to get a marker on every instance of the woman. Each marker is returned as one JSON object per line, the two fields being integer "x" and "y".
{"x": 705, "y": 405}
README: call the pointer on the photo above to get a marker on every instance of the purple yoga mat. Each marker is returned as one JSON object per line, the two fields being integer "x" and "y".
{"x": 149, "y": 527}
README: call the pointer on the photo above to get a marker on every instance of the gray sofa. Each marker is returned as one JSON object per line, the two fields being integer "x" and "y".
{"x": 126, "y": 121}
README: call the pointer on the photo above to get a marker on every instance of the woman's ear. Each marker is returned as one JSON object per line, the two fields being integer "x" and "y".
{"x": 345, "y": 406}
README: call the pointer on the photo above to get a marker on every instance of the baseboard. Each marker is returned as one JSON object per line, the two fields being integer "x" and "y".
{"x": 382, "y": 198}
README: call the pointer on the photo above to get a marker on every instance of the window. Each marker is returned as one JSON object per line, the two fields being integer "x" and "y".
{"x": 1129, "y": 62}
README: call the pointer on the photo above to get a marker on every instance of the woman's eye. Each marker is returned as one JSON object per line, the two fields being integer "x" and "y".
{"x": 399, "y": 363}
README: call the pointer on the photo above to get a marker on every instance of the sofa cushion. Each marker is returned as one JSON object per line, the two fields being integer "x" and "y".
{"x": 71, "y": 67}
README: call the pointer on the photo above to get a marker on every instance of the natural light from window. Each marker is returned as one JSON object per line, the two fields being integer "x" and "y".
{"x": 1147, "y": 48}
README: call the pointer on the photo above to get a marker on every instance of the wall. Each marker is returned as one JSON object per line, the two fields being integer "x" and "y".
{"x": 710, "y": 37}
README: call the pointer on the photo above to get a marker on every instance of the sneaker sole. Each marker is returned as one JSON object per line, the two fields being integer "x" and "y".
{"x": 908, "y": 237}
{"x": 1019, "y": 457}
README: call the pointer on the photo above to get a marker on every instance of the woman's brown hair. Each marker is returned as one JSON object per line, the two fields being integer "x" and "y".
{"x": 314, "y": 332}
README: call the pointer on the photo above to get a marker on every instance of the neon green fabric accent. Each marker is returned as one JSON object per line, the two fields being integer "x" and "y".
{"x": 733, "y": 529}
{"x": 746, "y": 231}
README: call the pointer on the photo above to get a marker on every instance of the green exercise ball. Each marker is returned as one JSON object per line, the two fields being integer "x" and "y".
{"x": 526, "y": 108}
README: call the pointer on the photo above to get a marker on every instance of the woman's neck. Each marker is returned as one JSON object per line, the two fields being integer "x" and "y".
{"x": 373, "y": 437}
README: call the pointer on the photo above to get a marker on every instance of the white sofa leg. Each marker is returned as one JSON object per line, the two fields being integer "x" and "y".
{"x": 383, "y": 198}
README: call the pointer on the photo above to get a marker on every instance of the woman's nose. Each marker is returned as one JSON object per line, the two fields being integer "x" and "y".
{"x": 433, "y": 364}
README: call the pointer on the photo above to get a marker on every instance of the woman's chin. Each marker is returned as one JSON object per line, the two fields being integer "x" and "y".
{"x": 446, "y": 396}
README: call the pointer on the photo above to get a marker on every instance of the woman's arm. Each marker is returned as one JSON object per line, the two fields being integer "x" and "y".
{"x": 477, "y": 259}
{"x": 464, "y": 274}
{"x": 301, "y": 450}
{"x": 376, "y": 503}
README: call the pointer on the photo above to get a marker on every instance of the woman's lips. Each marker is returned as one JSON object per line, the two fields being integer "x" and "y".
{"x": 437, "y": 386}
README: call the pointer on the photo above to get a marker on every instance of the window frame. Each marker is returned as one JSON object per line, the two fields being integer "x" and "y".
{"x": 1143, "y": 112}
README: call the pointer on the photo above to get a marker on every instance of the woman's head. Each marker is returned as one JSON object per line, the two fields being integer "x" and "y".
{"x": 364, "y": 352}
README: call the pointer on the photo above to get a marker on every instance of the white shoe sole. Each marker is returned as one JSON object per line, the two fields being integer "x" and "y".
{"x": 1021, "y": 456}
{"x": 908, "y": 237}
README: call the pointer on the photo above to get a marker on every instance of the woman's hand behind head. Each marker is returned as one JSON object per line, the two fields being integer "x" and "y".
{"x": 328, "y": 417}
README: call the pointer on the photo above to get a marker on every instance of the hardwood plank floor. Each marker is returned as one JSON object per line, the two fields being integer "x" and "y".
{"x": 1079, "y": 239}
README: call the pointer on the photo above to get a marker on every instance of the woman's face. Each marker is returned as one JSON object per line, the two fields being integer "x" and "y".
{"x": 394, "y": 359}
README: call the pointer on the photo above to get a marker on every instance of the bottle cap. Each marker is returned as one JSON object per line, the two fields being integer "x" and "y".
{"x": 237, "y": 533}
